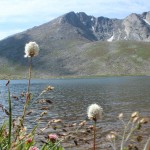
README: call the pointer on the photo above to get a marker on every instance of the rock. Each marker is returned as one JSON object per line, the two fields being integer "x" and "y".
{"x": 56, "y": 120}
{"x": 64, "y": 130}
{"x": 44, "y": 108}
{"x": 45, "y": 101}
{"x": 15, "y": 97}
{"x": 29, "y": 112}
{"x": 76, "y": 142}
{"x": 22, "y": 94}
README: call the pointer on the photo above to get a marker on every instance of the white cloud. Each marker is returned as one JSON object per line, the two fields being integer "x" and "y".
{"x": 34, "y": 8}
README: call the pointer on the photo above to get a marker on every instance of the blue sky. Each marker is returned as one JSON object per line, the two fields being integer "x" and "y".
{"x": 20, "y": 15}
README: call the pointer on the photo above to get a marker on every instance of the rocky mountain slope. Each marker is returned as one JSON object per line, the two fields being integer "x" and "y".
{"x": 78, "y": 44}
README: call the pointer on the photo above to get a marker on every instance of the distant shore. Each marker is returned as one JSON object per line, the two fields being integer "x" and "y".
{"x": 19, "y": 77}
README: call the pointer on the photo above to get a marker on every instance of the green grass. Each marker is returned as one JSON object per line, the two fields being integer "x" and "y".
{"x": 92, "y": 59}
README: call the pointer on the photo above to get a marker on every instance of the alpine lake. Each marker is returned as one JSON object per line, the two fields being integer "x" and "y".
{"x": 69, "y": 100}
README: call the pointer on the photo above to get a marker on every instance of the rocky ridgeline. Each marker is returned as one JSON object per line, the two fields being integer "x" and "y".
{"x": 133, "y": 27}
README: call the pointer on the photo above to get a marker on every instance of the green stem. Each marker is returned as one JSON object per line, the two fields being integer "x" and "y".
{"x": 30, "y": 68}
{"x": 57, "y": 144}
{"x": 10, "y": 119}
{"x": 43, "y": 147}
{"x": 114, "y": 144}
{"x": 28, "y": 92}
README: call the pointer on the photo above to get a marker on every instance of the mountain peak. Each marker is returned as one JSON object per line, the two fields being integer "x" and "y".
{"x": 69, "y": 43}
{"x": 80, "y": 25}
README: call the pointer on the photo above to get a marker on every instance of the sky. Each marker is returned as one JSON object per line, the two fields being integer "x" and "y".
{"x": 19, "y": 15}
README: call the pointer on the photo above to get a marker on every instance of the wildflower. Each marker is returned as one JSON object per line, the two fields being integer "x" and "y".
{"x": 57, "y": 120}
{"x": 24, "y": 129}
{"x": 53, "y": 137}
{"x": 135, "y": 114}
{"x": 21, "y": 137}
{"x": 43, "y": 113}
{"x": 135, "y": 119}
{"x": 120, "y": 116}
{"x": 31, "y": 49}
{"x": 144, "y": 120}
{"x": 82, "y": 123}
{"x": 94, "y": 112}
{"x": 29, "y": 140}
{"x": 49, "y": 88}
{"x": 33, "y": 148}
{"x": 111, "y": 136}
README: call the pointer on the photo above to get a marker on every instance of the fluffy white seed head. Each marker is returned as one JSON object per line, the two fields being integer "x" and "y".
{"x": 31, "y": 49}
{"x": 120, "y": 116}
{"x": 94, "y": 112}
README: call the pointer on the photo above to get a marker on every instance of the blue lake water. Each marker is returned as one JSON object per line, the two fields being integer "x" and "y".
{"x": 71, "y": 97}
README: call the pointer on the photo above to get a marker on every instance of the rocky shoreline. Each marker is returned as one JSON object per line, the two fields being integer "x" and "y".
{"x": 79, "y": 136}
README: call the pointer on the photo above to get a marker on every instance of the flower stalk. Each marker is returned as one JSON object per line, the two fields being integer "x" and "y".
{"x": 94, "y": 142}
{"x": 31, "y": 50}
{"x": 124, "y": 133}
{"x": 28, "y": 91}
{"x": 10, "y": 116}
{"x": 29, "y": 81}
{"x": 147, "y": 145}
{"x": 94, "y": 113}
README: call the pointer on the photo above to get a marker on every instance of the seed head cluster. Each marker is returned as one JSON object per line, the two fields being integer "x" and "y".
{"x": 31, "y": 49}
{"x": 94, "y": 112}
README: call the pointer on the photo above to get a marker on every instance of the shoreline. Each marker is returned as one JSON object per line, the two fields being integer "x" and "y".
{"x": 70, "y": 77}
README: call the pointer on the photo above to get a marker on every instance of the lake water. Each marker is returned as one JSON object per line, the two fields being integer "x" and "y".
{"x": 71, "y": 97}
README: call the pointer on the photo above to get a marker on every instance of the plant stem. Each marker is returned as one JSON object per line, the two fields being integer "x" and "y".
{"x": 30, "y": 69}
{"x": 147, "y": 145}
{"x": 28, "y": 92}
{"x": 10, "y": 118}
{"x": 131, "y": 131}
{"x": 94, "y": 142}
{"x": 123, "y": 137}
{"x": 57, "y": 144}
{"x": 114, "y": 144}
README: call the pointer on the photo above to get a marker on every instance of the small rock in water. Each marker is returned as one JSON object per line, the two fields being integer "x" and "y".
{"x": 29, "y": 112}
{"x": 64, "y": 130}
{"x": 45, "y": 101}
{"x": 22, "y": 94}
{"x": 44, "y": 108}
{"x": 15, "y": 97}
{"x": 56, "y": 120}
{"x": 76, "y": 143}
{"x": 49, "y": 101}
